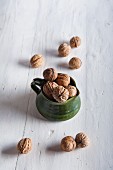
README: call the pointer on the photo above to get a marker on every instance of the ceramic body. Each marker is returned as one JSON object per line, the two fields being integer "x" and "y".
{"x": 57, "y": 111}
{"x": 53, "y": 110}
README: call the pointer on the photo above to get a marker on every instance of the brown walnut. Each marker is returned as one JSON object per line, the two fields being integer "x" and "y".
{"x": 37, "y": 60}
{"x": 64, "y": 50}
{"x": 68, "y": 144}
{"x": 75, "y": 42}
{"x": 60, "y": 94}
{"x": 72, "y": 90}
{"x": 75, "y": 63}
{"x": 63, "y": 79}
{"x": 82, "y": 140}
{"x": 50, "y": 74}
{"x": 48, "y": 89}
{"x": 24, "y": 145}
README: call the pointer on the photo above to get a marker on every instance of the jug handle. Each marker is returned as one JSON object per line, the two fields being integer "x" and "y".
{"x": 39, "y": 81}
{"x": 36, "y": 85}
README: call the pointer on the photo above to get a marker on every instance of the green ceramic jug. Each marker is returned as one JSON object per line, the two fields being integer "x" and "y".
{"x": 53, "y": 110}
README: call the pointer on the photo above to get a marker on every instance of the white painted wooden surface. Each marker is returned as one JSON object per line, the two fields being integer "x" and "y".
{"x": 39, "y": 26}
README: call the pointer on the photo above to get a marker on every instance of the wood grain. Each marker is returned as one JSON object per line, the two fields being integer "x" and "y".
{"x": 30, "y": 27}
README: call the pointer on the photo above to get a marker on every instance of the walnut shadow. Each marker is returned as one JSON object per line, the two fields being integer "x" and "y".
{"x": 10, "y": 150}
{"x": 64, "y": 41}
{"x": 24, "y": 63}
{"x": 54, "y": 148}
{"x": 51, "y": 52}
{"x": 63, "y": 65}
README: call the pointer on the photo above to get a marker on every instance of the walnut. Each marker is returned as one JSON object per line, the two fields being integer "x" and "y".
{"x": 63, "y": 79}
{"x": 75, "y": 63}
{"x": 36, "y": 61}
{"x": 82, "y": 140}
{"x": 48, "y": 89}
{"x": 75, "y": 42}
{"x": 24, "y": 145}
{"x": 72, "y": 90}
{"x": 68, "y": 144}
{"x": 60, "y": 94}
{"x": 64, "y": 49}
{"x": 50, "y": 74}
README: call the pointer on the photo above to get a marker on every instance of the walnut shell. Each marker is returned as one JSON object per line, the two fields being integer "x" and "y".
{"x": 72, "y": 90}
{"x": 68, "y": 144}
{"x": 50, "y": 74}
{"x": 37, "y": 60}
{"x": 48, "y": 89}
{"x": 75, "y": 63}
{"x": 64, "y": 49}
{"x": 63, "y": 79}
{"x": 75, "y": 42}
{"x": 24, "y": 145}
{"x": 60, "y": 94}
{"x": 82, "y": 140}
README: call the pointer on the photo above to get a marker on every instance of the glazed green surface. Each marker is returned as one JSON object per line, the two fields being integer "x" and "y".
{"x": 58, "y": 111}
{"x": 54, "y": 110}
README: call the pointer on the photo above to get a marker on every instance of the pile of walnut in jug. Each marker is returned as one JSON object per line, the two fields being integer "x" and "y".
{"x": 57, "y": 86}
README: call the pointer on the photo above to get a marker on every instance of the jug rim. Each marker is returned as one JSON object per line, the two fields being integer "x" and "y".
{"x": 57, "y": 103}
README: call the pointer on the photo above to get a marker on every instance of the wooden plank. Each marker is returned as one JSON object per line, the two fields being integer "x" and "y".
{"x": 29, "y": 27}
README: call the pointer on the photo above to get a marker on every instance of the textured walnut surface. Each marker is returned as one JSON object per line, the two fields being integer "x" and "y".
{"x": 75, "y": 63}
{"x": 48, "y": 89}
{"x": 37, "y": 60}
{"x": 75, "y": 42}
{"x": 24, "y": 145}
{"x": 60, "y": 94}
{"x": 82, "y": 140}
{"x": 64, "y": 49}
{"x": 72, "y": 90}
{"x": 63, "y": 79}
{"x": 50, "y": 74}
{"x": 68, "y": 144}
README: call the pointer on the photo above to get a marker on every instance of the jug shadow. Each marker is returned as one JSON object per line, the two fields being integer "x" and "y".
{"x": 21, "y": 104}
{"x": 10, "y": 150}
